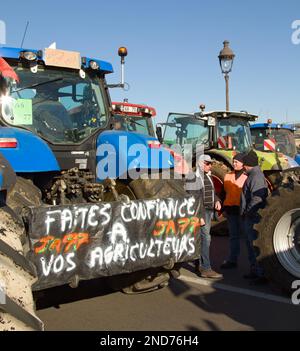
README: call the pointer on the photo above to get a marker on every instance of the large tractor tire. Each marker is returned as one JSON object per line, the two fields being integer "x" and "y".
{"x": 17, "y": 309}
{"x": 144, "y": 188}
{"x": 278, "y": 240}
{"x": 157, "y": 188}
{"x": 17, "y": 274}
{"x": 151, "y": 279}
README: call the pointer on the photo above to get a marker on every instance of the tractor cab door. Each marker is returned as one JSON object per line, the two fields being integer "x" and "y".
{"x": 184, "y": 129}
{"x": 187, "y": 135}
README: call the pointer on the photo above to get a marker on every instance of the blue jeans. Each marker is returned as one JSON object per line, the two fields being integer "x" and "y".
{"x": 235, "y": 227}
{"x": 205, "y": 240}
{"x": 251, "y": 235}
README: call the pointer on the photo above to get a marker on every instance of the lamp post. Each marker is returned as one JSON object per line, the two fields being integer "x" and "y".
{"x": 226, "y": 57}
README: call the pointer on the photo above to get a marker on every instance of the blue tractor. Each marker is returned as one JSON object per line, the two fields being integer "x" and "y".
{"x": 276, "y": 137}
{"x": 60, "y": 157}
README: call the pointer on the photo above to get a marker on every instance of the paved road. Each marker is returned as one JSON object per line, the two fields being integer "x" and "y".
{"x": 189, "y": 303}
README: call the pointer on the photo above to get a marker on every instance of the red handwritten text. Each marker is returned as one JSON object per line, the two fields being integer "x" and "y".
{"x": 69, "y": 242}
{"x": 180, "y": 226}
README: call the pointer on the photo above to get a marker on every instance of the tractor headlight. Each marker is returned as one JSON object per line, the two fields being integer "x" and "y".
{"x": 28, "y": 55}
{"x": 94, "y": 64}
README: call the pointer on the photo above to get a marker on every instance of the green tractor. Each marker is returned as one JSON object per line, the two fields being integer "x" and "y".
{"x": 223, "y": 134}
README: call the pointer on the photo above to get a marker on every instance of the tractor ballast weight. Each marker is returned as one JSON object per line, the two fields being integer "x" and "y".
{"x": 63, "y": 207}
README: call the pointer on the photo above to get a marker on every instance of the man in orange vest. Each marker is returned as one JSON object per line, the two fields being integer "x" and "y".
{"x": 233, "y": 185}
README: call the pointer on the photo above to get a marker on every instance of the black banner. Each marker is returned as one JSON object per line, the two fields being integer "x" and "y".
{"x": 105, "y": 239}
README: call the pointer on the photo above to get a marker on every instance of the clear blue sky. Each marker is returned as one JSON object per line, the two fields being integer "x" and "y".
{"x": 173, "y": 48}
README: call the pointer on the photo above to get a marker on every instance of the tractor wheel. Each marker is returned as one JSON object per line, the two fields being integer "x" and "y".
{"x": 278, "y": 240}
{"x": 141, "y": 282}
{"x": 151, "y": 283}
{"x": 219, "y": 170}
{"x": 157, "y": 188}
{"x": 150, "y": 280}
{"x": 148, "y": 189}
{"x": 17, "y": 310}
{"x": 121, "y": 188}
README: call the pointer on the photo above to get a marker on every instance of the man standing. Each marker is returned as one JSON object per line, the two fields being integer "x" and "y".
{"x": 233, "y": 185}
{"x": 211, "y": 203}
{"x": 253, "y": 198}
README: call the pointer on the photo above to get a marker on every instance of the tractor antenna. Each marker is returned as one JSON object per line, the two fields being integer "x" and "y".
{"x": 27, "y": 24}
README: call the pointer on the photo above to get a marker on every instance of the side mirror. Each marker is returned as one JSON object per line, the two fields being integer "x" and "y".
{"x": 159, "y": 134}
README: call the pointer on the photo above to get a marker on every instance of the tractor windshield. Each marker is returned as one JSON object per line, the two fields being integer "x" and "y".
{"x": 234, "y": 134}
{"x": 185, "y": 129}
{"x": 59, "y": 105}
{"x": 139, "y": 124}
{"x": 281, "y": 140}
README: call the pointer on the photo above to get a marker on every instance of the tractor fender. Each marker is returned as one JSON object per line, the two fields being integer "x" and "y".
{"x": 225, "y": 156}
{"x": 31, "y": 154}
{"x": 119, "y": 152}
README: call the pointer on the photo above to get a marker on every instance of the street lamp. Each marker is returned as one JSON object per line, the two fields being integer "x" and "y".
{"x": 226, "y": 57}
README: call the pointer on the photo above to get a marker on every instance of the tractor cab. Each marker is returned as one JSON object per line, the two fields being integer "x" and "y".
{"x": 230, "y": 131}
{"x": 274, "y": 137}
{"x": 133, "y": 118}
{"x": 227, "y": 131}
{"x": 59, "y": 97}
{"x": 222, "y": 134}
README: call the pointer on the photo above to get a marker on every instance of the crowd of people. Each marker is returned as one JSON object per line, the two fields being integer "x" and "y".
{"x": 245, "y": 192}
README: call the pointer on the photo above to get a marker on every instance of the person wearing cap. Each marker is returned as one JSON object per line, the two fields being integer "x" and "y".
{"x": 211, "y": 203}
{"x": 253, "y": 198}
{"x": 233, "y": 185}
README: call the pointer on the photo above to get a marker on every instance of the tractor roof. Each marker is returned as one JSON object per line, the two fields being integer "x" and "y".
{"x": 125, "y": 108}
{"x": 228, "y": 114}
{"x": 14, "y": 53}
{"x": 273, "y": 126}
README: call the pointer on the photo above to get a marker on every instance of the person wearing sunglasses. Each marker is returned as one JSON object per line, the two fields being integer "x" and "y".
{"x": 211, "y": 203}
